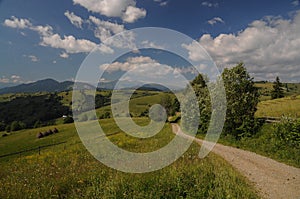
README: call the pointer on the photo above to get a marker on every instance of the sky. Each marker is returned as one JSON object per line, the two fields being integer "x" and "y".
{"x": 50, "y": 39}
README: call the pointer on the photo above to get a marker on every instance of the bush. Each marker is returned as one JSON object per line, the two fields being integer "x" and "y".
{"x": 287, "y": 132}
{"x": 68, "y": 120}
{"x": 16, "y": 125}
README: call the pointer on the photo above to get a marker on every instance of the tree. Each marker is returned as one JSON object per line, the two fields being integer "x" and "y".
{"x": 199, "y": 85}
{"x": 277, "y": 91}
{"x": 166, "y": 102}
{"x": 242, "y": 99}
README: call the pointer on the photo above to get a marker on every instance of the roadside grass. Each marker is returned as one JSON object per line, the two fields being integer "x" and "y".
{"x": 287, "y": 106}
{"x": 69, "y": 171}
{"x": 265, "y": 144}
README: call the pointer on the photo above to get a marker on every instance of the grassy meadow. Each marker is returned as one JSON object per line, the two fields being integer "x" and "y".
{"x": 287, "y": 106}
{"x": 69, "y": 171}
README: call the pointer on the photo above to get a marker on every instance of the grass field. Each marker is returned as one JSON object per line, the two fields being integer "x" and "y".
{"x": 266, "y": 88}
{"x": 287, "y": 106}
{"x": 69, "y": 171}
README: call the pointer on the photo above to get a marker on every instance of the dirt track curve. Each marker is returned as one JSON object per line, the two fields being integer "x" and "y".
{"x": 272, "y": 179}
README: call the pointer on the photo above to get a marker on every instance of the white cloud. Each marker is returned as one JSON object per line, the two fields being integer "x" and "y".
{"x": 17, "y": 23}
{"x": 105, "y": 29}
{"x": 74, "y": 19}
{"x": 68, "y": 43}
{"x": 215, "y": 20}
{"x": 33, "y": 58}
{"x": 163, "y": 3}
{"x": 150, "y": 44}
{"x": 267, "y": 46}
{"x": 295, "y": 3}
{"x": 209, "y": 4}
{"x": 4, "y": 80}
{"x": 147, "y": 70}
{"x": 54, "y": 62}
{"x": 125, "y": 9}
{"x": 13, "y": 79}
{"x": 64, "y": 55}
{"x": 132, "y": 14}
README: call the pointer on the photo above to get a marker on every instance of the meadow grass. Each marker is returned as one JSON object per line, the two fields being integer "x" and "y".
{"x": 279, "y": 107}
{"x": 69, "y": 171}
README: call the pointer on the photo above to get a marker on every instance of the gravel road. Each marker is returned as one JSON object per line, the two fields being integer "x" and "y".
{"x": 272, "y": 179}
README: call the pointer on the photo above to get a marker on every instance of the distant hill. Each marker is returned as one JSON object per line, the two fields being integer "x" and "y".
{"x": 50, "y": 85}
{"x": 46, "y": 85}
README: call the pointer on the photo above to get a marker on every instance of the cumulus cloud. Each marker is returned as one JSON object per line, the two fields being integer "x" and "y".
{"x": 161, "y": 2}
{"x": 74, "y": 19}
{"x": 105, "y": 29}
{"x": 150, "y": 44}
{"x": 125, "y": 9}
{"x": 209, "y": 4}
{"x": 215, "y": 20}
{"x": 147, "y": 70}
{"x": 64, "y": 55}
{"x": 68, "y": 43}
{"x": 269, "y": 47}
{"x": 13, "y": 79}
{"x": 17, "y": 23}
{"x": 33, "y": 58}
{"x": 132, "y": 14}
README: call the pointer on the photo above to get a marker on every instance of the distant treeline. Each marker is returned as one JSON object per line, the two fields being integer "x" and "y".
{"x": 33, "y": 111}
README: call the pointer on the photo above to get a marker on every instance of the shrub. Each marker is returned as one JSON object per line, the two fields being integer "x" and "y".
{"x": 16, "y": 125}
{"x": 287, "y": 132}
{"x": 68, "y": 120}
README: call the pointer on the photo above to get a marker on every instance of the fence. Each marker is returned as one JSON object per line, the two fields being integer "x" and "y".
{"x": 33, "y": 149}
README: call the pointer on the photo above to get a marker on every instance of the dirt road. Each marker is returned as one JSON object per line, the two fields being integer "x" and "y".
{"x": 272, "y": 179}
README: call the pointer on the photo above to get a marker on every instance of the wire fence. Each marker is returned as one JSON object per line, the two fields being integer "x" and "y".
{"x": 37, "y": 149}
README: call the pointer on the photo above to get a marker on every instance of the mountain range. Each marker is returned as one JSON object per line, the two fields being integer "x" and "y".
{"x": 50, "y": 85}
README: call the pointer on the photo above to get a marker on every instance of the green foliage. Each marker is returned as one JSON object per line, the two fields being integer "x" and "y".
{"x": 287, "y": 132}
{"x": 17, "y": 125}
{"x": 29, "y": 109}
{"x": 242, "y": 99}
{"x": 68, "y": 120}
{"x": 204, "y": 101}
{"x": 277, "y": 91}
{"x": 270, "y": 142}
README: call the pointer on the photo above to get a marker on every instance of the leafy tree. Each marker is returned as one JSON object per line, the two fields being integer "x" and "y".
{"x": 166, "y": 102}
{"x": 277, "y": 91}
{"x": 176, "y": 105}
{"x": 242, "y": 99}
{"x": 203, "y": 97}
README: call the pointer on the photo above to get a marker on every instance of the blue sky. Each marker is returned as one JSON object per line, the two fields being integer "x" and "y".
{"x": 39, "y": 39}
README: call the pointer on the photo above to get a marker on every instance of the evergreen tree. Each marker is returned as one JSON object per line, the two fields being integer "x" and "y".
{"x": 277, "y": 91}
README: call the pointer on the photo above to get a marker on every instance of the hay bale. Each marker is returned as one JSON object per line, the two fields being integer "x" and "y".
{"x": 50, "y": 132}
{"x": 40, "y": 135}
{"x": 45, "y": 133}
{"x": 55, "y": 130}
